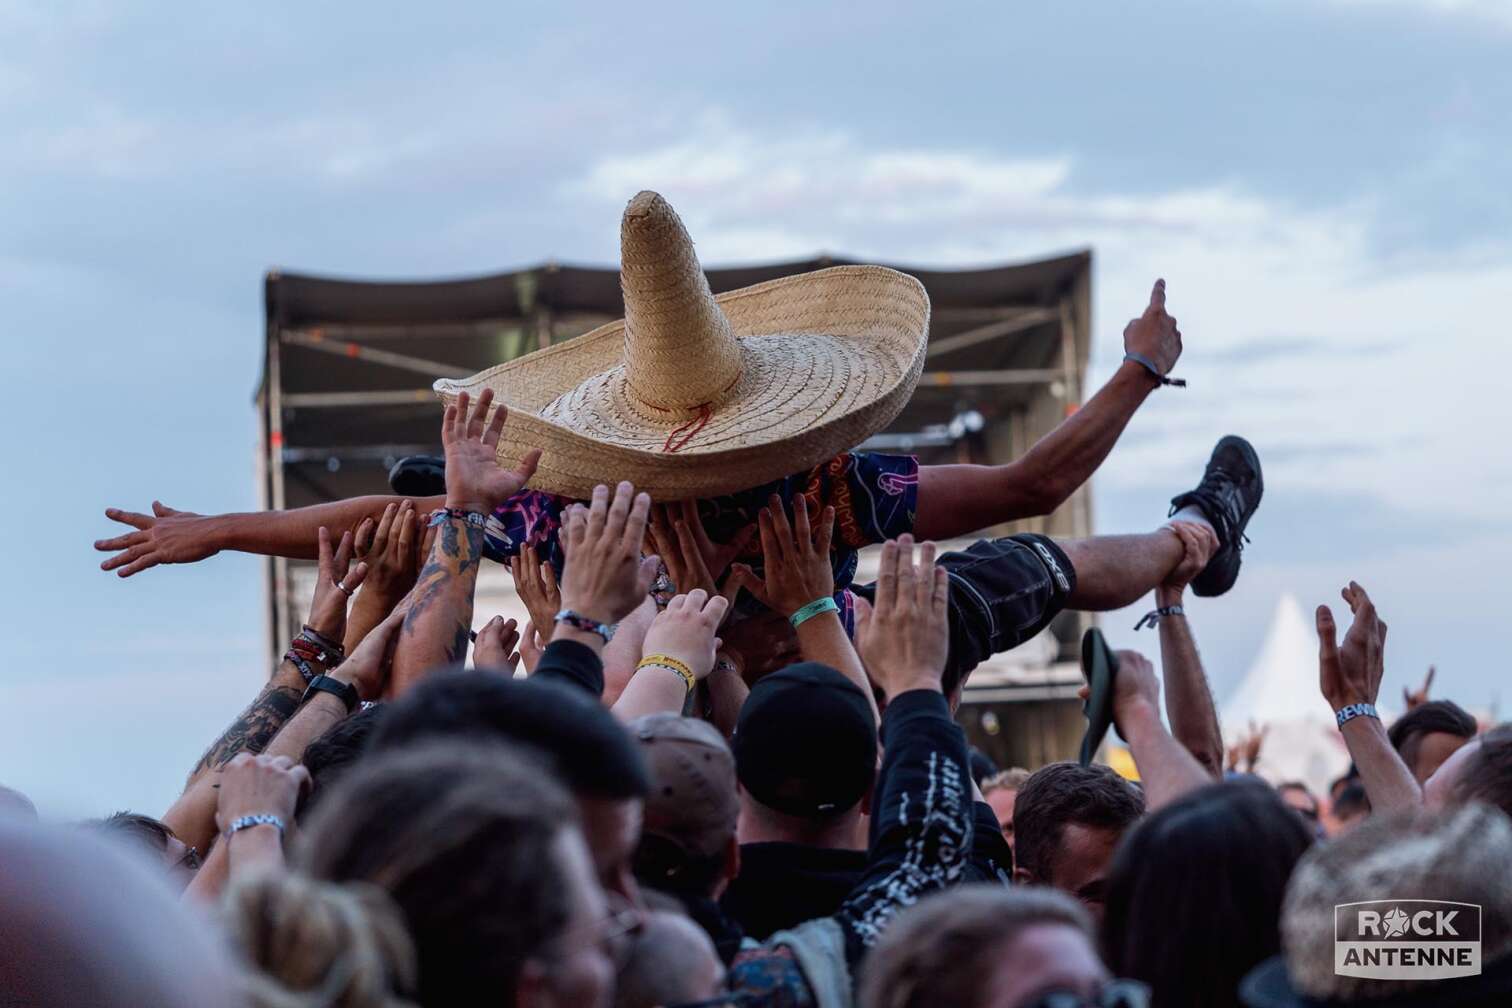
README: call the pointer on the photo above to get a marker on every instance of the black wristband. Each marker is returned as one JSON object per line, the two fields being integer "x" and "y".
{"x": 1149, "y": 366}
{"x": 326, "y": 684}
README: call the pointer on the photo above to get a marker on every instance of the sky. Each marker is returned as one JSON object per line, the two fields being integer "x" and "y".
{"x": 1323, "y": 184}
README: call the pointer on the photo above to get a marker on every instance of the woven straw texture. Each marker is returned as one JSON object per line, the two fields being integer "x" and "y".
{"x": 693, "y": 396}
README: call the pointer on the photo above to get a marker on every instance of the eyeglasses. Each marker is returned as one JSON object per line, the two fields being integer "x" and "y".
{"x": 191, "y": 860}
{"x": 1114, "y": 994}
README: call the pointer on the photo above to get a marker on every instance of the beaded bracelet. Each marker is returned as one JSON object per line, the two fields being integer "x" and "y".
{"x": 671, "y": 665}
{"x": 477, "y": 519}
{"x": 814, "y": 608}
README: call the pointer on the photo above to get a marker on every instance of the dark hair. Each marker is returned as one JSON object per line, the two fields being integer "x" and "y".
{"x": 588, "y": 748}
{"x": 149, "y": 834}
{"x": 1060, "y": 794}
{"x": 982, "y": 766}
{"x": 1211, "y": 868}
{"x": 464, "y": 839}
{"x": 944, "y": 950}
{"x": 1406, "y": 732}
{"x": 1351, "y": 801}
{"x": 1487, "y": 774}
{"x": 1295, "y": 785}
{"x": 333, "y": 753}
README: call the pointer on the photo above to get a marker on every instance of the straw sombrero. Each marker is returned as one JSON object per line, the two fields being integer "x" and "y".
{"x": 693, "y": 396}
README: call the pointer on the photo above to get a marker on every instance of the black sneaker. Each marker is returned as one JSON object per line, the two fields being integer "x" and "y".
{"x": 1228, "y": 494}
{"x": 419, "y": 476}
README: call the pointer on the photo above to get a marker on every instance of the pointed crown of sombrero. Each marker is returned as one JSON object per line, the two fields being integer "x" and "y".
{"x": 692, "y": 395}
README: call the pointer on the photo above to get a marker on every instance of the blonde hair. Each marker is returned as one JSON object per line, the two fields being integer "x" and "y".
{"x": 314, "y": 944}
{"x": 1008, "y": 780}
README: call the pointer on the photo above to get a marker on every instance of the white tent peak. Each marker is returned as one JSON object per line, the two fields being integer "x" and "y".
{"x": 1282, "y": 682}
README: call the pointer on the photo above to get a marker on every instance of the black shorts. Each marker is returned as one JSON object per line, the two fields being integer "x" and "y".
{"x": 1002, "y": 592}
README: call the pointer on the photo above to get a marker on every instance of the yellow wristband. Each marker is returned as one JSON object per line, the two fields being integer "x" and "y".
{"x": 670, "y": 664}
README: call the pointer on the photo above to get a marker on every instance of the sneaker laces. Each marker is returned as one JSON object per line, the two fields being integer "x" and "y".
{"x": 1218, "y": 496}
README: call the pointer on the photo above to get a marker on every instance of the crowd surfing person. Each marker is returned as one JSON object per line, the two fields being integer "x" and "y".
{"x": 732, "y": 776}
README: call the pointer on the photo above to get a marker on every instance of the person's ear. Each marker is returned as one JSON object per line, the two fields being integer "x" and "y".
{"x": 1022, "y": 876}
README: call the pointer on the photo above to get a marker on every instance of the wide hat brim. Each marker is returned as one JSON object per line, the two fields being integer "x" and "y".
{"x": 827, "y": 359}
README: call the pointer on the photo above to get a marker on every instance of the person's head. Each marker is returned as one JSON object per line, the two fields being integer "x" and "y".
{"x": 1450, "y": 856}
{"x": 805, "y": 753}
{"x": 84, "y": 923}
{"x": 984, "y": 946}
{"x": 307, "y": 942}
{"x": 982, "y": 766}
{"x": 1429, "y": 734}
{"x": 1067, "y": 821}
{"x": 1194, "y": 895}
{"x": 671, "y": 962}
{"x": 333, "y": 753}
{"x": 1479, "y": 771}
{"x": 999, "y": 791}
{"x": 480, "y": 849}
{"x": 14, "y": 803}
{"x": 587, "y": 748}
{"x": 687, "y": 843}
{"x": 151, "y": 837}
{"x": 1349, "y": 809}
{"x": 1300, "y": 799}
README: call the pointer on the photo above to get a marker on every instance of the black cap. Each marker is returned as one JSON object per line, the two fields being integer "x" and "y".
{"x": 806, "y": 741}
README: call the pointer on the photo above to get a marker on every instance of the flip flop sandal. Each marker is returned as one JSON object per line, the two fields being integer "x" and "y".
{"x": 1100, "y": 666}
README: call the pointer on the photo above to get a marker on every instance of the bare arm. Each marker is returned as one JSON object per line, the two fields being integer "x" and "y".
{"x": 956, "y": 500}
{"x": 1166, "y": 769}
{"x": 1188, "y": 700}
{"x": 168, "y": 536}
{"x": 435, "y": 630}
{"x": 1351, "y": 674}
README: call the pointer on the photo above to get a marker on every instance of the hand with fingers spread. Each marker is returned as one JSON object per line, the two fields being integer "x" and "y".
{"x": 796, "y": 558}
{"x": 335, "y": 584}
{"x": 389, "y": 548}
{"x": 905, "y": 638}
{"x": 686, "y": 629}
{"x": 693, "y": 560}
{"x": 474, "y": 480}
{"x": 1351, "y": 674}
{"x": 495, "y": 646}
{"x": 535, "y": 582}
{"x": 1200, "y": 543}
{"x": 605, "y": 577}
{"x": 1154, "y": 335}
{"x": 1417, "y": 697}
{"x": 166, "y": 536}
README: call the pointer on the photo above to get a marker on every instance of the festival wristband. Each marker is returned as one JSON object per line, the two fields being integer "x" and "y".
{"x": 814, "y": 608}
{"x": 1351, "y": 711}
{"x": 1154, "y": 616}
{"x": 1149, "y": 366}
{"x": 298, "y": 661}
{"x": 257, "y": 819}
{"x": 578, "y": 621}
{"x": 671, "y": 665}
{"x": 440, "y": 516}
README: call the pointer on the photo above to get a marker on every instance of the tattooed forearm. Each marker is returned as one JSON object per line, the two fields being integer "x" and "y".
{"x": 435, "y": 630}
{"x": 255, "y": 728}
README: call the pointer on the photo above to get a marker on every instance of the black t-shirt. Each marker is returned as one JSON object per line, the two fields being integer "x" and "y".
{"x": 781, "y": 885}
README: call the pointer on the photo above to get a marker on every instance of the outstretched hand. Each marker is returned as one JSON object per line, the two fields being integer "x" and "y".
{"x": 335, "y": 584}
{"x": 693, "y": 560}
{"x": 495, "y": 646}
{"x": 1417, "y": 697}
{"x": 685, "y": 631}
{"x": 1351, "y": 674}
{"x": 166, "y": 536}
{"x": 474, "y": 479}
{"x": 605, "y": 577}
{"x": 905, "y": 637}
{"x": 536, "y": 583}
{"x": 1199, "y": 542}
{"x": 796, "y": 558}
{"x": 1154, "y": 335}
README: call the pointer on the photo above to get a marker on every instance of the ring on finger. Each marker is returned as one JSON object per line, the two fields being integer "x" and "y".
{"x": 344, "y": 589}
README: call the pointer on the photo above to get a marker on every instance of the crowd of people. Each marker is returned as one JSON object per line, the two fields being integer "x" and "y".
{"x": 712, "y": 770}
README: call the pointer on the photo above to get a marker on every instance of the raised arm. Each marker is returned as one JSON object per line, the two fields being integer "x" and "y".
{"x": 392, "y": 548}
{"x": 435, "y": 631}
{"x": 254, "y": 812}
{"x": 956, "y": 500}
{"x": 1189, "y": 701}
{"x": 800, "y": 583}
{"x": 168, "y": 536}
{"x": 1166, "y": 769}
{"x": 678, "y": 653}
{"x": 192, "y": 816}
{"x": 1350, "y": 679}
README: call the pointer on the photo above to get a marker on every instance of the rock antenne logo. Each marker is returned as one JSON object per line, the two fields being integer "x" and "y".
{"x": 1407, "y": 939}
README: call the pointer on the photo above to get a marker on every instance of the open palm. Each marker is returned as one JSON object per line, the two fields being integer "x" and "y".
{"x": 474, "y": 479}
